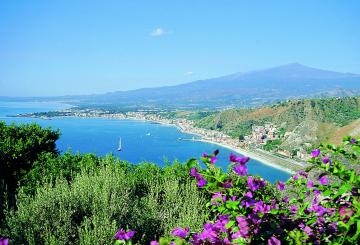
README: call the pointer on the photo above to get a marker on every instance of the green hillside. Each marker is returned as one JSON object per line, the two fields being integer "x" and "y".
{"x": 314, "y": 120}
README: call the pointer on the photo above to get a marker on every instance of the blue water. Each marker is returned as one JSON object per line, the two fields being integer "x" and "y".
{"x": 101, "y": 136}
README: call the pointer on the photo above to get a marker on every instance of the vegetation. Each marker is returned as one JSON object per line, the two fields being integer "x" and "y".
{"x": 85, "y": 199}
{"x": 311, "y": 120}
{"x": 20, "y": 146}
{"x": 246, "y": 209}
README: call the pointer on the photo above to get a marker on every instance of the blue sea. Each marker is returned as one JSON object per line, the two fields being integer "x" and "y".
{"x": 141, "y": 141}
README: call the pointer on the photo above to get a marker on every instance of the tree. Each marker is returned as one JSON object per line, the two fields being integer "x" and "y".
{"x": 20, "y": 146}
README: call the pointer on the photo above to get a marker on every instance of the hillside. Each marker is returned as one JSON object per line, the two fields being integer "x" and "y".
{"x": 305, "y": 121}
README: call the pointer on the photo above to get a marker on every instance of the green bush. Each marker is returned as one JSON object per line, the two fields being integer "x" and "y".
{"x": 90, "y": 208}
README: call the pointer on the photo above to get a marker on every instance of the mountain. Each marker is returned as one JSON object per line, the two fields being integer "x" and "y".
{"x": 308, "y": 121}
{"x": 239, "y": 89}
{"x": 236, "y": 90}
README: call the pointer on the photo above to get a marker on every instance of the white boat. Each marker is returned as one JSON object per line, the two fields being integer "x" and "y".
{"x": 120, "y": 147}
{"x": 148, "y": 134}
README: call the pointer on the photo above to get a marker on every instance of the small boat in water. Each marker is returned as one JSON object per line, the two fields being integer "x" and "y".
{"x": 148, "y": 134}
{"x": 120, "y": 146}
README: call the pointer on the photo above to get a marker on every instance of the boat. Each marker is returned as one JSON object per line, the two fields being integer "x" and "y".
{"x": 120, "y": 147}
{"x": 148, "y": 134}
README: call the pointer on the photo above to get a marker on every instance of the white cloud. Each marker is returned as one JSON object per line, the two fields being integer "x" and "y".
{"x": 159, "y": 32}
{"x": 189, "y": 73}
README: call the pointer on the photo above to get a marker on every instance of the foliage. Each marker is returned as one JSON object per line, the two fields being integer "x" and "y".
{"x": 335, "y": 112}
{"x": 272, "y": 145}
{"x": 20, "y": 146}
{"x": 111, "y": 194}
{"x": 247, "y": 209}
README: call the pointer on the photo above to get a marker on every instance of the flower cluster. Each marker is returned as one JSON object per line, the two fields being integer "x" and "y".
{"x": 123, "y": 235}
{"x": 305, "y": 209}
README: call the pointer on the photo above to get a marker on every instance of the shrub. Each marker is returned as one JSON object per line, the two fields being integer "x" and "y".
{"x": 90, "y": 208}
{"x": 247, "y": 209}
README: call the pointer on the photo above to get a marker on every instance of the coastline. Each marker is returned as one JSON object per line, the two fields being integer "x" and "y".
{"x": 252, "y": 155}
{"x": 266, "y": 159}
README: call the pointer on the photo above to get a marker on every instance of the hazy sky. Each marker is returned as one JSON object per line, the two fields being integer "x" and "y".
{"x": 80, "y": 47}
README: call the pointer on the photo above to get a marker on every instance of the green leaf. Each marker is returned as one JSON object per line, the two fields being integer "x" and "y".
{"x": 229, "y": 224}
{"x": 192, "y": 163}
{"x": 344, "y": 188}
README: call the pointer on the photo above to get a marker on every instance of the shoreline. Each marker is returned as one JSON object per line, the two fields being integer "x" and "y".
{"x": 252, "y": 155}
{"x": 266, "y": 160}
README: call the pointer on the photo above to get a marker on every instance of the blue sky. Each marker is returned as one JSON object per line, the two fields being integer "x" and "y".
{"x": 83, "y": 47}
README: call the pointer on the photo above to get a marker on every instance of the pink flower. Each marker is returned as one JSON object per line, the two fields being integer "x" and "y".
{"x": 213, "y": 160}
{"x": 344, "y": 211}
{"x": 274, "y": 241}
{"x": 293, "y": 209}
{"x": 154, "y": 243}
{"x": 310, "y": 184}
{"x": 323, "y": 180}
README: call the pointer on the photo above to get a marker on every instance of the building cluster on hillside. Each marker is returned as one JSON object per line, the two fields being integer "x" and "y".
{"x": 260, "y": 135}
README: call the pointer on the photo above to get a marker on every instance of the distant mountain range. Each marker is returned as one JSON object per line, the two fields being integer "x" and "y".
{"x": 236, "y": 90}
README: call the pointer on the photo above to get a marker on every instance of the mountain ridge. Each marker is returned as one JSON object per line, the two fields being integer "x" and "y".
{"x": 244, "y": 89}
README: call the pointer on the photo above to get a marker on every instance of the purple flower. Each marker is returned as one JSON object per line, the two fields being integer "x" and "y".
{"x": 241, "y": 170}
{"x": 248, "y": 194}
{"x": 243, "y": 226}
{"x": 4, "y": 241}
{"x": 315, "y": 153}
{"x": 128, "y": 235}
{"x": 213, "y": 160}
{"x": 217, "y": 199}
{"x": 344, "y": 211}
{"x": 209, "y": 233}
{"x": 255, "y": 184}
{"x": 122, "y": 235}
{"x": 307, "y": 230}
{"x": 182, "y": 233}
{"x": 317, "y": 192}
{"x": 194, "y": 172}
{"x": 326, "y": 160}
{"x": 204, "y": 155}
{"x": 293, "y": 209}
{"x": 303, "y": 173}
{"x": 320, "y": 210}
{"x": 232, "y": 157}
{"x": 286, "y": 199}
{"x": 274, "y": 241}
{"x": 201, "y": 183}
{"x": 310, "y": 184}
{"x": 227, "y": 184}
{"x": 154, "y": 243}
{"x": 281, "y": 186}
{"x": 295, "y": 177}
{"x": 353, "y": 141}
{"x": 239, "y": 159}
{"x": 261, "y": 207}
{"x": 221, "y": 222}
{"x": 323, "y": 180}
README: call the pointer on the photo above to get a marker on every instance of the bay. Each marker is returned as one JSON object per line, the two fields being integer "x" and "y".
{"x": 141, "y": 141}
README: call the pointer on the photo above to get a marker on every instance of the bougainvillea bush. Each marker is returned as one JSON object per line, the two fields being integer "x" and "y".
{"x": 311, "y": 209}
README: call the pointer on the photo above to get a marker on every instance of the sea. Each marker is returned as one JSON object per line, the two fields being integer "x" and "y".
{"x": 140, "y": 140}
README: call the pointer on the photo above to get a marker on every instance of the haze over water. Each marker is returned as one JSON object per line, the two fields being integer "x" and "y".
{"x": 141, "y": 141}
